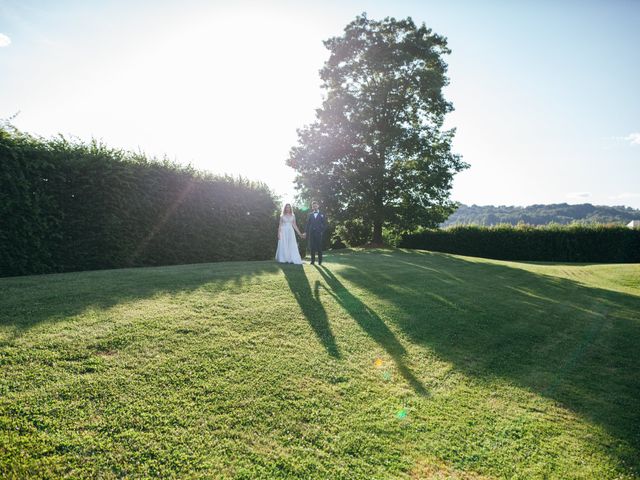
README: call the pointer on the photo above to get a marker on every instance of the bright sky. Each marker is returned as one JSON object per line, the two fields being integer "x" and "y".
{"x": 546, "y": 93}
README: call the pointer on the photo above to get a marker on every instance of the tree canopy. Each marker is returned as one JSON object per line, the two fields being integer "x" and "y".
{"x": 377, "y": 150}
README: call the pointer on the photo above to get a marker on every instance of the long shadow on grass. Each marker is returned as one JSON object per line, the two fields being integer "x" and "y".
{"x": 371, "y": 323}
{"x": 27, "y": 301}
{"x": 311, "y": 307}
{"x": 564, "y": 340}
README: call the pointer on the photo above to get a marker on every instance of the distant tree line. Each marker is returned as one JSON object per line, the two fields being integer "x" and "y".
{"x": 561, "y": 213}
{"x": 68, "y": 206}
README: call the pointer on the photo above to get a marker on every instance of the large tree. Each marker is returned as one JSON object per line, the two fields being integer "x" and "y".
{"x": 377, "y": 149}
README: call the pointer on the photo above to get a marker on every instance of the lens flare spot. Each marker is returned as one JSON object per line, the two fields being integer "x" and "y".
{"x": 378, "y": 362}
{"x": 386, "y": 376}
{"x": 402, "y": 414}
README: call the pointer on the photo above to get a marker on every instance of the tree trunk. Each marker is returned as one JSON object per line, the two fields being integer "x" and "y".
{"x": 378, "y": 205}
{"x": 377, "y": 233}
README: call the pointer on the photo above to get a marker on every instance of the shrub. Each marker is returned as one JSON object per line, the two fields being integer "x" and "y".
{"x": 354, "y": 233}
{"x": 67, "y": 206}
{"x": 573, "y": 243}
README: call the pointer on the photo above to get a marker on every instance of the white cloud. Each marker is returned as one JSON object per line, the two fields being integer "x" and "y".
{"x": 634, "y": 138}
{"x": 4, "y": 40}
{"x": 578, "y": 194}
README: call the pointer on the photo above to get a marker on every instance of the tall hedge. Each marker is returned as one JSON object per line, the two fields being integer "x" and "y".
{"x": 554, "y": 243}
{"x": 67, "y": 206}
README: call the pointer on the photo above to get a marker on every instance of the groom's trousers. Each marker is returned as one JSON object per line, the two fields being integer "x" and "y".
{"x": 315, "y": 245}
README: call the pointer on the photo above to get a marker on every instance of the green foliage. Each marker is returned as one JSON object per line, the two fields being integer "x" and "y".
{"x": 68, "y": 206}
{"x": 391, "y": 237}
{"x": 555, "y": 243}
{"x": 337, "y": 243}
{"x": 355, "y": 233}
{"x": 562, "y": 213}
{"x": 377, "y": 149}
{"x": 378, "y": 365}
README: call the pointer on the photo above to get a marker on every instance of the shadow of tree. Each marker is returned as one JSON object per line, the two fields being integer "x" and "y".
{"x": 573, "y": 343}
{"x": 311, "y": 307}
{"x": 570, "y": 342}
{"x": 30, "y": 300}
{"x": 371, "y": 323}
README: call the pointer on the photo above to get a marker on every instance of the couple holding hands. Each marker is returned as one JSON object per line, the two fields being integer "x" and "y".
{"x": 287, "y": 251}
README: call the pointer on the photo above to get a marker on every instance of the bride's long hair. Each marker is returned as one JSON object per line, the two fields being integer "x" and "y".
{"x": 284, "y": 210}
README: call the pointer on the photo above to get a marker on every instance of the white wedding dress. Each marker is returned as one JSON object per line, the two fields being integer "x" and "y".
{"x": 287, "y": 251}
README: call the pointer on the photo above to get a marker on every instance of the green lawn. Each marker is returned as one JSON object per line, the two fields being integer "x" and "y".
{"x": 379, "y": 364}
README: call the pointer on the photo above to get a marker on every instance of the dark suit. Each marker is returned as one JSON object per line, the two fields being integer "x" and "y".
{"x": 316, "y": 225}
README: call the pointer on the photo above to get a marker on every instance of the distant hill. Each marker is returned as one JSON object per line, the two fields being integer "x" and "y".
{"x": 562, "y": 213}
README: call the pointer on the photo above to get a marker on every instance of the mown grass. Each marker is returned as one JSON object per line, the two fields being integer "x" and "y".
{"x": 379, "y": 364}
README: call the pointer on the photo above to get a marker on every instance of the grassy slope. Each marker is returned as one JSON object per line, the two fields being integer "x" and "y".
{"x": 384, "y": 364}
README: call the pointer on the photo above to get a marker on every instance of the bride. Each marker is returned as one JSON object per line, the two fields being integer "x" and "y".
{"x": 287, "y": 251}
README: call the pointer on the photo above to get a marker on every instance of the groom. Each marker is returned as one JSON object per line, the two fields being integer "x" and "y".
{"x": 316, "y": 225}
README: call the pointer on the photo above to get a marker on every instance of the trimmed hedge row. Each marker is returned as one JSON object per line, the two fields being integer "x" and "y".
{"x": 553, "y": 243}
{"x": 68, "y": 206}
